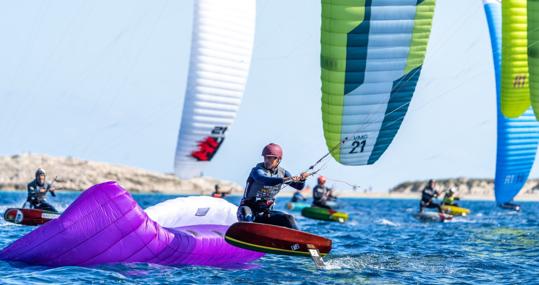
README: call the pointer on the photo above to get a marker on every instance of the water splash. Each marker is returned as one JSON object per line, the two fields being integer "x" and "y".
{"x": 387, "y": 223}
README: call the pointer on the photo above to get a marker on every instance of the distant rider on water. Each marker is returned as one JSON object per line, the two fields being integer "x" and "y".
{"x": 450, "y": 198}
{"x": 263, "y": 184}
{"x": 298, "y": 197}
{"x": 37, "y": 190}
{"x": 321, "y": 194}
{"x": 427, "y": 196}
{"x": 218, "y": 193}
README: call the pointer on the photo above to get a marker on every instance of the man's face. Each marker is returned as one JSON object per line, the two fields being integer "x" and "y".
{"x": 41, "y": 178}
{"x": 271, "y": 162}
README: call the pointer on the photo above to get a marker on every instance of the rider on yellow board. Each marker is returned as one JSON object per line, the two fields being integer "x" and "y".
{"x": 450, "y": 198}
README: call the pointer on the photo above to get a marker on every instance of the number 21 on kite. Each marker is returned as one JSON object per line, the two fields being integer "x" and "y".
{"x": 358, "y": 144}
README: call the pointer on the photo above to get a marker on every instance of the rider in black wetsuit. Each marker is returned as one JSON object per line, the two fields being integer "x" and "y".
{"x": 37, "y": 190}
{"x": 427, "y": 195}
{"x": 264, "y": 182}
{"x": 298, "y": 197}
{"x": 321, "y": 193}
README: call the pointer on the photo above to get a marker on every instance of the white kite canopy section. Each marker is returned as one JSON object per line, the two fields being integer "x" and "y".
{"x": 221, "y": 48}
{"x": 196, "y": 210}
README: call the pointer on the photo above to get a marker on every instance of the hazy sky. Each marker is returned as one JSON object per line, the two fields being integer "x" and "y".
{"x": 105, "y": 80}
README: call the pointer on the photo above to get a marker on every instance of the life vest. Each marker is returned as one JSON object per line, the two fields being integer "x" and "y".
{"x": 258, "y": 190}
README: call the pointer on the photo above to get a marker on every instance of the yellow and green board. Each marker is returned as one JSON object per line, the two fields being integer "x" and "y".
{"x": 324, "y": 214}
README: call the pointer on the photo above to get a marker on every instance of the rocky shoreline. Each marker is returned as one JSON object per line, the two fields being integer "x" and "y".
{"x": 77, "y": 175}
{"x": 465, "y": 186}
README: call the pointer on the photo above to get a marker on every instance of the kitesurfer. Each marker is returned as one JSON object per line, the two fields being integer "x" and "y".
{"x": 427, "y": 196}
{"x": 38, "y": 189}
{"x": 264, "y": 182}
{"x": 298, "y": 197}
{"x": 450, "y": 198}
{"x": 321, "y": 194}
{"x": 217, "y": 193}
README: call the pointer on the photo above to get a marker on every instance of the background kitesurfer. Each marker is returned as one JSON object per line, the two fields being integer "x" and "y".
{"x": 263, "y": 184}
{"x": 37, "y": 192}
{"x": 298, "y": 197}
{"x": 427, "y": 196}
{"x": 450, "y": 197}
{"x": 321, "y": 193}
{"x": 217, "y": 193}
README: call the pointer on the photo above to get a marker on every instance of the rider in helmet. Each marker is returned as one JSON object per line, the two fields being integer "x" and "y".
{"x": 427, "y": 196}
{"x": 264, "y": 182}
{"x": 321, "y": 193}
{"x": 450, "y": 197}
{"x": 37, "y": 190}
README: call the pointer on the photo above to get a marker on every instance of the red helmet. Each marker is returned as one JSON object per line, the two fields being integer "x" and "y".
{"x": 321, "y": 179}
{"x": 273, "y": 149}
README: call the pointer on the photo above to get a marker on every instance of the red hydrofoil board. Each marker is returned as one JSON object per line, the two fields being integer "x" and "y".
{"x": 29, "y": 217}
{"x": 276, "y": 239}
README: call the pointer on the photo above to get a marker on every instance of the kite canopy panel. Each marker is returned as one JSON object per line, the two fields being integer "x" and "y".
{"x": 371, "y": 57}
{"x": 533, "y": 53}
{"x": 105, "y": 225}
{"x": 517, "y": 137}
{"x": 515, "y": 94}
{"x": 221, "y": 48}
{"x": 191, "y": 211}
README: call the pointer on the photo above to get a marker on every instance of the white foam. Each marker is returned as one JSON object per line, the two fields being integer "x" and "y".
{"x": 344, "y": 263}
{"x": 387, "y": 223}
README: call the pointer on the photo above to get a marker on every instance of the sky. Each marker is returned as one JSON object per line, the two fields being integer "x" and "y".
{"x": 105, "y": 81}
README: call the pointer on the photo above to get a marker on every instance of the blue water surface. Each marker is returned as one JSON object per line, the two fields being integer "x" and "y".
{"x": 382, "y": 243}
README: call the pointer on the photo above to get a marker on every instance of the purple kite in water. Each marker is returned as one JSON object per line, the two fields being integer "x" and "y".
{"x": 105, "y": 225}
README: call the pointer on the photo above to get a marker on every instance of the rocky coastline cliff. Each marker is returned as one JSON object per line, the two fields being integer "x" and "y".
{"x": 465, "y": 186}
{"x": 77, "y": 175}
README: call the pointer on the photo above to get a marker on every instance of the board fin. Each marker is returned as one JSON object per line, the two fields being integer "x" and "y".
{"x": 315, "y": 255}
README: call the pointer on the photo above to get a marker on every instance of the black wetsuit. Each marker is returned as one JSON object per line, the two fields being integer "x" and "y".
{"x": 427, "y": 197}
{"x": 320, "y": 195}
{"x": 36, "y": 198}
{"x": 259, "y": 197}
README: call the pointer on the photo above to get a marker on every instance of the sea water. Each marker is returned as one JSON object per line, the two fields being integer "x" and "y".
{"x": 382, "y": 243}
